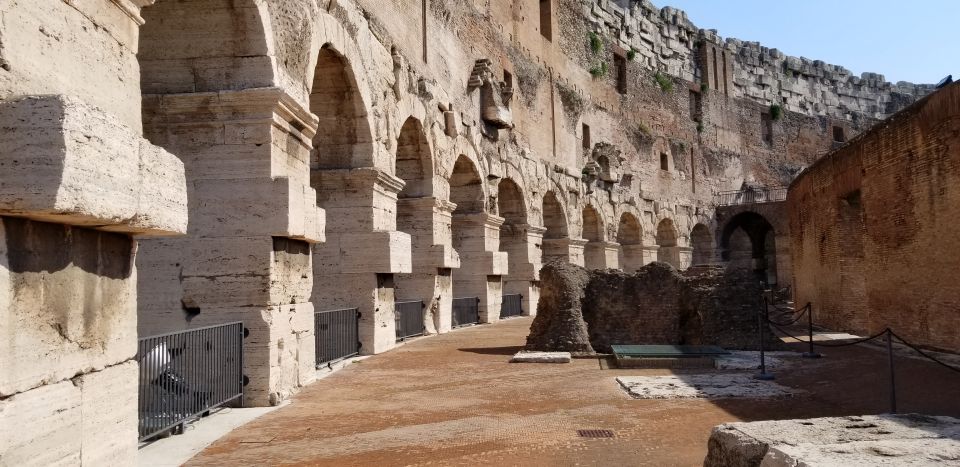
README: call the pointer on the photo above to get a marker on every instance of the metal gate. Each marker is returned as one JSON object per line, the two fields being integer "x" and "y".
{"x": 337, "y": 335}
{"x": 409, "y": 318}
{"x": 512, "y": 306}
{"x": 185, "y": 374}
{"x": 466, "y": 311}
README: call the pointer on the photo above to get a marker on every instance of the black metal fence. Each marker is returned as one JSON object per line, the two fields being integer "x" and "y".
{"x": 752, "y": 196}
{"x": 512, "y": 306}
{"x": 185, "y": 374}
{"x": 466, "y": 311}
{"x": 337, "y": 335}
{"x": 409, "y": 318}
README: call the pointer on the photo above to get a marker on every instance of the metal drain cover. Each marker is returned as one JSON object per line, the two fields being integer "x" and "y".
{"x": 595, "y": 433}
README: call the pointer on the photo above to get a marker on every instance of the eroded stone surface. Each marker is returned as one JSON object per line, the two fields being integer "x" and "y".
{"x": 702, "y": 386}
{"x": 909, "y": 439}
{"x": 541, "y": 357}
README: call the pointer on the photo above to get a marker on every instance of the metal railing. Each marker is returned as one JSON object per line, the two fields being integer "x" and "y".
{"x": 512, "y": 306}
{"x": 466, "y": 311}
{"x": 337, "y": 335}
{"x": 409, "y": 319}
{"x": 185, "y": 374}
{"x": 752, "y": 196}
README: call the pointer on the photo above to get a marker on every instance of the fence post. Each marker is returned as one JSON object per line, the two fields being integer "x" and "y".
{"x": 893, "y": 381}
{"x": 810, "y": 353}
{"x": 762, "y": 319}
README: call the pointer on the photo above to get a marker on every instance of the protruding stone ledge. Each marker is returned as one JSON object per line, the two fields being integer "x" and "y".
{"x": 67, "y": 162}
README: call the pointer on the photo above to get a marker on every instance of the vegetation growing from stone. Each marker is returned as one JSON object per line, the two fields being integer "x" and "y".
{"x": 631, "y": 54}
{"x": 599, "y": 71}
{"x": 571, "y": 101}
{"x": 776, "y": 111}
{"x": 664, "y": 81}
{"x": 704, "y": 87}
{"x": 596, "y": 44}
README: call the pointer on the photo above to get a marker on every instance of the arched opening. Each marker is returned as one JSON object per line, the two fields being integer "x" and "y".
{"x": 466, "y": 192}
{"x": 748, "y": 241}
{"x": 556, "y": 236}
{"x": 702, "y": 242}
{"x": 667, "y": 243}
{"x": 416, "y": 292}
{"x": 414, "y": 163}
{"x": 343, "y": 136}
{"x": 515, "y": 241}
{"x": 593, "y": 230}
{"x": 630, "y": 238}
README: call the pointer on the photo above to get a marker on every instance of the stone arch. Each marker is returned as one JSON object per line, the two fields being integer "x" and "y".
{"x": 748, "y": 241}
{"x": 414, "y": 160}
{"x": 594, "y": 232}
{"x": 701, "y": 240}
{"x": 667, "y": 243}
{"x": 511, "y": 204}
{"x": 466, "y": 187}
{"x": 630, "y": 238}
{"x": 176, "y": 48}
{"x": 344, "y": 138}
{"x": 554, "y": 217}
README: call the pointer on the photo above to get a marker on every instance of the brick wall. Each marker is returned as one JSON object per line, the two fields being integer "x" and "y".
{"x": 873, "y": 230}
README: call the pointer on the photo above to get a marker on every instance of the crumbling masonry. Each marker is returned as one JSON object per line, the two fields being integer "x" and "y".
{"x": 171, "y": 164}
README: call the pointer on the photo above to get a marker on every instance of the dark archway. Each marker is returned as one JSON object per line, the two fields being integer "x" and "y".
{"x": 702, "y": 243}
{"x": 630, "y": 238}
{"x": 594, "y": 251}
{"x": 668, "y": 251}
{"x": 748, "y": 241}
{"x": 556, "y": 235}
{"x": 342, "y": 131}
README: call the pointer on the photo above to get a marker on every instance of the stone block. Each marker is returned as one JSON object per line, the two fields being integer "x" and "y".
{"x": 540, "y": 357}
{"x": 70, "y": 163}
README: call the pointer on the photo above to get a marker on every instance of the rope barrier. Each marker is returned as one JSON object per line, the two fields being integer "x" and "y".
{"x": 803, "y": 311}
{"x": 930, "y": 357}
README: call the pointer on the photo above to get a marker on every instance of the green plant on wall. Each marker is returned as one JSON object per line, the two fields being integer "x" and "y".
{"x": 704, "y": 87}
{"x": 599, "y": 70}
{"x": 596, "y": 44}
{"x": 776, "y": 111}
{"x": 665, "y": 83}
{"x": 643, "y": 129}
{"x": 699, "y": 127}
{"x": 631, "y": 54}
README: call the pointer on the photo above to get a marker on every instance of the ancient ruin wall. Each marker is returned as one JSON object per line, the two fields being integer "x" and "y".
{"x": 583, "y": 310}
{"x": 873, "y": 239}
{"x": 77, "y": 183}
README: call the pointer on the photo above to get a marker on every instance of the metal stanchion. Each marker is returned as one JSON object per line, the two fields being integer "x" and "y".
{"x": 810, "y": 353}
{"x": 893, "y": 381}
{"x": 762, "y": 319}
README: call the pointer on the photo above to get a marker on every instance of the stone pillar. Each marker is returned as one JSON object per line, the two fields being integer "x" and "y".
{"x": 76, "y": 185}
{"x": 482, "y": 265}
{"x": 433, "y": 257}
{"x": 253, "y": 219}
{"x": 355, "y": 268}
{"x": 602, "y": 255}
{"x": 568, "y": 249}
{"x": 632, "y": 257}
{"x": 526, "y": 258}
{"x": 650, "y": 254}
{"x": 684, "y": 257}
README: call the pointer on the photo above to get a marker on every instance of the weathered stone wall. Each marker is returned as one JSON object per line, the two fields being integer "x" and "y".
{"x": 873, "y": 239}
{"x": 584, "y": 310}
{"x": 77, "y": 184}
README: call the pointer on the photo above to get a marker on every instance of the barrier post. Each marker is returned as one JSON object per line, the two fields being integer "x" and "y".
{"x": 762, "y": 318}
{"x": 810, "y": 353}
{"x": 893, "y": 382}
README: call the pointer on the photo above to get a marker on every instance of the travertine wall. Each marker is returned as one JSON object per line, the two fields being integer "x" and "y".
{"x": 77, "y": 184}
{"x": 872, "y": 227}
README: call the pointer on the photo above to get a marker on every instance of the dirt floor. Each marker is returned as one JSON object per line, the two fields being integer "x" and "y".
{"x": 455, "y": 400}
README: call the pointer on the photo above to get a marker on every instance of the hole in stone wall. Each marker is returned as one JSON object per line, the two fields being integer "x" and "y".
{"x": 546, "y": 19}
{"x": 664, "y": 161}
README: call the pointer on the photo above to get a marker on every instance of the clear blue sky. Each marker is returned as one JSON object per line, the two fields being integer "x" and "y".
{"x": 914, "y": 40}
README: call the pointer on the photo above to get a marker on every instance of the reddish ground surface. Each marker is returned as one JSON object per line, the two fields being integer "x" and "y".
{"x": 455, "y": 400}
